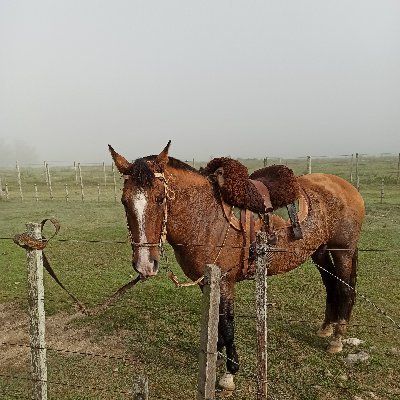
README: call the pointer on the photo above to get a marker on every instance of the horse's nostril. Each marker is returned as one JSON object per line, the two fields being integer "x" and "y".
{"x": 155, "y": 266}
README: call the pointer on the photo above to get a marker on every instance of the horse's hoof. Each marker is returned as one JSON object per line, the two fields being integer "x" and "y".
{"x": 334, "y": 347}
{"x": 325, "y": 331}
{"x": 226, "y": 382}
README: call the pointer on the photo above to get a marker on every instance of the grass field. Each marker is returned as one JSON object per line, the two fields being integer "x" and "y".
{"x": 154, "y": 329}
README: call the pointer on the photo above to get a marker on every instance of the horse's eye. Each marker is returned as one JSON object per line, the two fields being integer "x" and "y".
{"x": 160, "y": 199}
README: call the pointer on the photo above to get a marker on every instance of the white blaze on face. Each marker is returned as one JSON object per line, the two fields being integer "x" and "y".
{"x": 139, "y": 208}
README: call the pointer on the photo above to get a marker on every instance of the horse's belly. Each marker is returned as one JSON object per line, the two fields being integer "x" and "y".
{"x": 288, "y": 254}
{"x": 287, "y": 259}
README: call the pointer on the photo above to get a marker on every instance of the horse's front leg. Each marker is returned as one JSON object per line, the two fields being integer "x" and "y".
{"x": 226, "y": 330}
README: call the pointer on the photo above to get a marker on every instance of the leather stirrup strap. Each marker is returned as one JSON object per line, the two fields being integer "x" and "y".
{"x": 298, "y": 234}
{"x": 264, "y": 192}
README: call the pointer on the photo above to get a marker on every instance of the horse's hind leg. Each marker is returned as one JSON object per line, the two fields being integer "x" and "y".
{"x": 346, "y": 271}
{"x": 327, "y": 270}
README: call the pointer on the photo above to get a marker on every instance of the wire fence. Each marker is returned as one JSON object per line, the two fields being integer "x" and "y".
{"x": 101, "y": 182}
{"x": 248, "y": 371}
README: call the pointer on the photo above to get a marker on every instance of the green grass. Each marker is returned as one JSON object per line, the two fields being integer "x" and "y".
{"x": 158, "y": 326}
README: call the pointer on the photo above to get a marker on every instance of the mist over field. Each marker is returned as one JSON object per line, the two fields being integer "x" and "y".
{"x": 249, "y": 80}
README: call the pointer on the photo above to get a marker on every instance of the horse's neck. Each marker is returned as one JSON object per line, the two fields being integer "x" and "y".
{"x": 191, "y": 208}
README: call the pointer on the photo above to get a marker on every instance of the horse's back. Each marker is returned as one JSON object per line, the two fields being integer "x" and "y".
{"x": 332, "y": 184}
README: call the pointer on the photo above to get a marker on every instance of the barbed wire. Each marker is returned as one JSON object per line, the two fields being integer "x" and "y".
{"x": 246, "y": 371}
{"x": 209, "y": 245}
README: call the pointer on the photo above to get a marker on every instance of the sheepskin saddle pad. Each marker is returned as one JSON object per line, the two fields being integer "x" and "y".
{"x": 265, "y": 190}
{"x": 237, "y": 188}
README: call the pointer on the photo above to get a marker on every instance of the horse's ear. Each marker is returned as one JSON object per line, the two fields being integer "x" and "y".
{"x": 121, "y": 162}
{"x": 162, "y": 158}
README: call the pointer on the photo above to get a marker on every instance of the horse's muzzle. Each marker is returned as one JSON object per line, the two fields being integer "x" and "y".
{"x": 146, "y": 269}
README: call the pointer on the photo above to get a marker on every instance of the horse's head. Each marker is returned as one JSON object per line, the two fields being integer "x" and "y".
{"x": 144, "y": 197}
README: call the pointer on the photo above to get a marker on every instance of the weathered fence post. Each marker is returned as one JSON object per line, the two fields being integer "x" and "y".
{"x": 66, "y": 193}
{"x": 36, "y": 192}
{"x": 7, "y": 194}
{"x": 104, "y": 173}
{"x": 19, "y": 182}
{"x": 309, "y": 164}
{"x": 398, "y": 170}
{"x": 140, "y": 388}
{"x": 357, "y": 176}
{"x": 115, "y": 183}
{"x": 37, "y": 315}
{"x": 351, "y": 168}
{"x": 76, "y": 174}
{"x": 45, "y": 172}
{"x": 209, "y": 334}
{"x": 81, "y": 181}
{"x": 49, "y": 182}
{"x": 261, "y": 311}
{"x": 382, "y": 190}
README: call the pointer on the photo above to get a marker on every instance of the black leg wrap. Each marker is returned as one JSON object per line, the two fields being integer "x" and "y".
{"x": 227, "y": 334}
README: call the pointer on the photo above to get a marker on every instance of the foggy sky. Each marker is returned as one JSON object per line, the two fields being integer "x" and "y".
{"x": 241, "y": 78}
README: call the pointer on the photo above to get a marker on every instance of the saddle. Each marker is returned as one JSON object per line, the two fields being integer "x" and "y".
{"x": 251, "y": 203}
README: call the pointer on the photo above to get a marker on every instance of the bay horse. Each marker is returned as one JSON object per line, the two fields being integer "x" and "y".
{"x": 166, "y": 199}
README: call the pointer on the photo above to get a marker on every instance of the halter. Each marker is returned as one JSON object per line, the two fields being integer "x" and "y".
{"x": 169, "y": 195}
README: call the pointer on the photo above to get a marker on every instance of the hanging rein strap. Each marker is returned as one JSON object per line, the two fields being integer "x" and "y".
{"x": 27, "y": 242}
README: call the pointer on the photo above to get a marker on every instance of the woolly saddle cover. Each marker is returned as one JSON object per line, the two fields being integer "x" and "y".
{"x": 236, "y": 188}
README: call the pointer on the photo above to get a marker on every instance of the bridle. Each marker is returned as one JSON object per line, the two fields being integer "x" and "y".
{"x": 169, "y": 194}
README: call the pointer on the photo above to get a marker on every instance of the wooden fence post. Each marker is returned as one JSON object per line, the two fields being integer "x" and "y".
{"x": 115, "y": 183}
{"x": 104, "y": 173}
{"x": 36, "y": 192}
{"x": 357, "y": 176}
{"x": 382, "y": 190}
{"x": 37, "y": 315}
{"x": 140, "y": 388}
{"x": 66, "y": 193}
{"x": 49, "y": 182}
{"x": 261, "y": 311}
{"x": 209, "y": 334}
{"x": 76, "y": 174}
{"x": 309, "y": 164}
{"x": 45, "y": 172}
{"x": 19, "y": 182}
{"x": 81, "y": 181}
{"x": 351, "y": 168}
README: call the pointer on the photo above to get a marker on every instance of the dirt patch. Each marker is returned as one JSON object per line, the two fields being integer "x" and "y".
{"x": 61, "y": 335}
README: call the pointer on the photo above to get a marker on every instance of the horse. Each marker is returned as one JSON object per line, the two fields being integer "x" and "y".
{"x": 166, "y": 199}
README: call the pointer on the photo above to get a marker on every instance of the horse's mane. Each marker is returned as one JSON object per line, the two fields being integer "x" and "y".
{"x": 144, "y": 175}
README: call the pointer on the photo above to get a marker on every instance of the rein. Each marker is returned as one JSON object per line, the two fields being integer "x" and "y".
{"x": 28, "y": 243}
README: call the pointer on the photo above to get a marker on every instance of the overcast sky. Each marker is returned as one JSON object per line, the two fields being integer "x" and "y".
{"x": 241, "y": 78}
